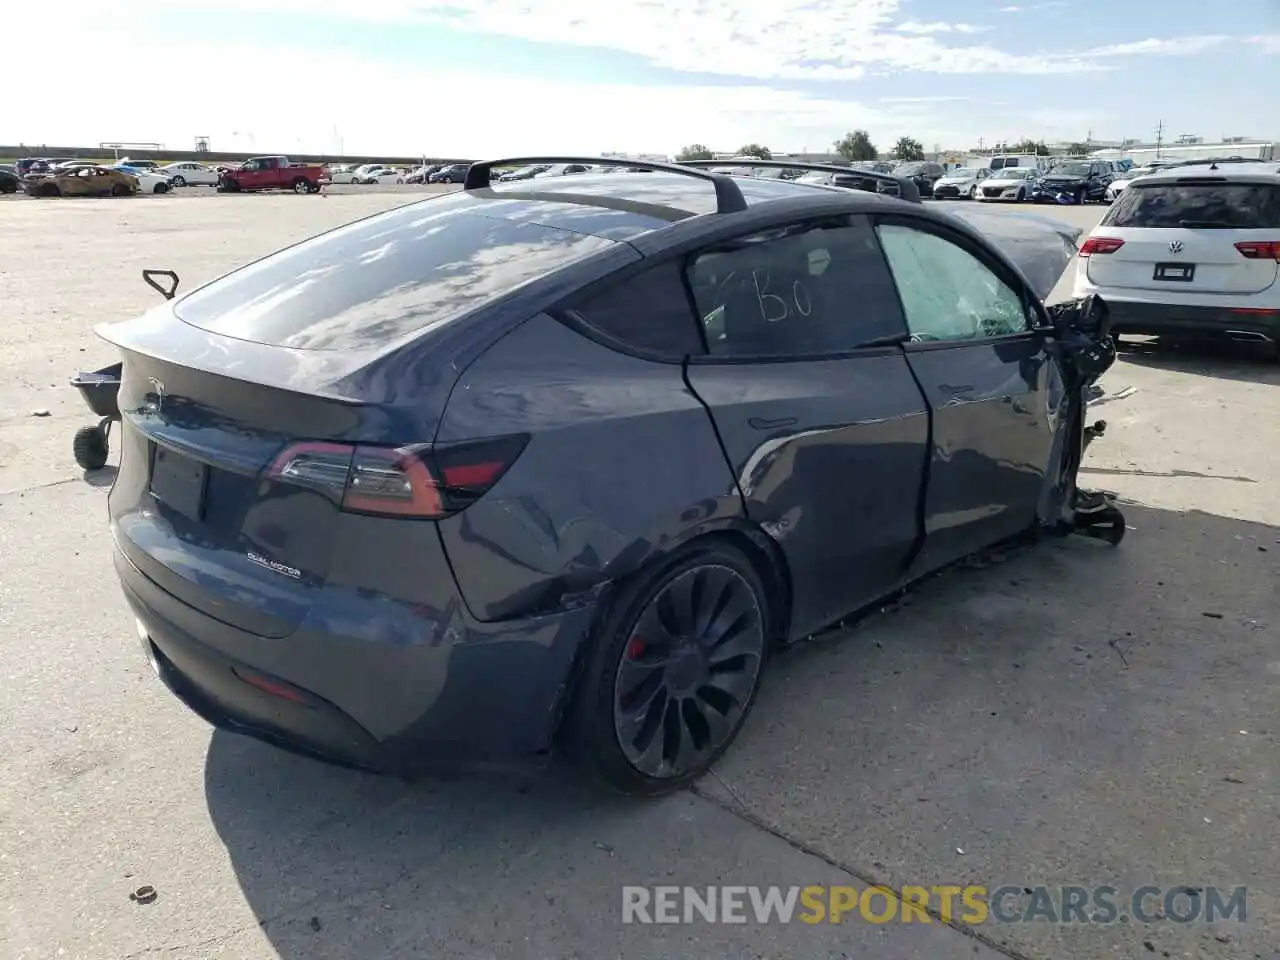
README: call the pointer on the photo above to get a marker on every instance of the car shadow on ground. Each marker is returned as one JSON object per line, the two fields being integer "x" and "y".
{"x": 103, "y": 477}
{"x": 1223, "y": 359}
{"x": 1069, "y": 713}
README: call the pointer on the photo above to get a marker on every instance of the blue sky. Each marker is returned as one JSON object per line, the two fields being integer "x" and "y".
{"x": 480, "y": 77}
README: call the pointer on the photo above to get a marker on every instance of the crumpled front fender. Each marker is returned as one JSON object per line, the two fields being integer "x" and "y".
{"x": 1041, "y": 247}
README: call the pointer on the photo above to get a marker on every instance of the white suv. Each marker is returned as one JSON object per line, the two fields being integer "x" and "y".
{"x": 1194, "y": 249}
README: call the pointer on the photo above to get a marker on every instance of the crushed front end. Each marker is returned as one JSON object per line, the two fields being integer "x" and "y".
{"x": 1086, "y": 350}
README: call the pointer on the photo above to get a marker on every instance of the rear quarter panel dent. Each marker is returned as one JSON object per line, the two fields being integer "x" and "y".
{"x": 623, "y": 464}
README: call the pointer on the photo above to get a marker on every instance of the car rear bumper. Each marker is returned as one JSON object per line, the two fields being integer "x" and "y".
{"x": 1128, "y": 316}
{"x": 466, "y": 693}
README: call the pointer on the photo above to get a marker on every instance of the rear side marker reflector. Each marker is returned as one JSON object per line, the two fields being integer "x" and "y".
{"x": 419, "y": 481}
{"x": 1100, "y": 245}
{"x": 277, "y": 688}
{"x": 1259, "y": 249}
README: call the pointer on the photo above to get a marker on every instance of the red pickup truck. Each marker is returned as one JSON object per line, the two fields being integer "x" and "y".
{"x": 271, "y": 173}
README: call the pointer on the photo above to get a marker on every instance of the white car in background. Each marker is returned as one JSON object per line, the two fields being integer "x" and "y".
{"x": 351, "y": 174}
{"x": 1122, "y": 179}
{"x": 189, "y": 174}
{"x": 960, "y": 184}
{"x": 148, "y": 180}
{"x": 1191, "y": 249}
{"x": 1011, "y": 183}
{"x": 377, "y": 174}
{"x": 564, "y": 170}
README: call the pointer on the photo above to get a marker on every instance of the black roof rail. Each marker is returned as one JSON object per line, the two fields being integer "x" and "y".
{"x": 729, "y": 198}
{"x": 1204, "y": 161}
{"x": 906, "y": 189}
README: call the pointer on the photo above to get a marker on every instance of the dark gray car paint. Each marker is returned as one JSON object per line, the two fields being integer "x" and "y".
{"x": 992, "y": 436}
{"x": 829, "y": 456}
{"x": 530, "y": 543}
{"x": 393, "y": 644}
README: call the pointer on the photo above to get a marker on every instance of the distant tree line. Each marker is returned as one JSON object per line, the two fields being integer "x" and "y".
{"x": 858, "y": 146}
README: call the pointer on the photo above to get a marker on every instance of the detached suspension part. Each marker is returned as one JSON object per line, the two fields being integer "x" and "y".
{"x": 1093, "y": 432}
{"x": 1098, "y": 517}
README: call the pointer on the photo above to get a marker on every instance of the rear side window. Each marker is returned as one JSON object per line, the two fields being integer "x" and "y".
{"x": 380, "y": 279}
{"x": 1207, "y": 204}
{"x": 650, "y": 311}
{"x": 808, "y": 289}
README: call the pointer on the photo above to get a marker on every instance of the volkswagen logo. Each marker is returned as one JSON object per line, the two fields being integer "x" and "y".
{"x": 1175, "y": 246}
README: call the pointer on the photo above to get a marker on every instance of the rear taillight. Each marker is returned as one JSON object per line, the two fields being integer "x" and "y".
{"x": 418, "y": 481}
{"x": 1100, "y": 245}
{"x": 1259, "y": 249}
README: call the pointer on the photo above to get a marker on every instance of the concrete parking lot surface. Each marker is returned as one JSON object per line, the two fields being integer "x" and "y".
{"x": 1067, "y": 715}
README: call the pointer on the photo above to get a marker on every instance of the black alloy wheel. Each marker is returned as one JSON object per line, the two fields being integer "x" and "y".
{"x": 674, "y": 670}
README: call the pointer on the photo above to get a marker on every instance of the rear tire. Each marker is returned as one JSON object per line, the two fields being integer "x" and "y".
{"x": 672, "y": 670}
{"x": 50, "y": 190}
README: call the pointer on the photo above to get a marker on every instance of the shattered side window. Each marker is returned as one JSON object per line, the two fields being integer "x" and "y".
{"x": 947, "y": 293}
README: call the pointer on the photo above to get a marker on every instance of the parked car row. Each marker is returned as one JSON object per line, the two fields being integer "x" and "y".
{"x": 1066, "y": 181}
{"x": 94, "y": 180}
{"x": 48, "y": 174}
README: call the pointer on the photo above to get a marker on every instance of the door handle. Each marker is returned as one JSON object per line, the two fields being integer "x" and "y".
{"x": 764, "y": 423}
{"x": 947, "y": 388}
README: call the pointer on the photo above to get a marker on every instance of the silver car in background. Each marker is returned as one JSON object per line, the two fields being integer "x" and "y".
{"x": 960, "y": 184}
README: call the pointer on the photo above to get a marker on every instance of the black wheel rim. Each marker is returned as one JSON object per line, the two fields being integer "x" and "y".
{"x": 688, "y": 671}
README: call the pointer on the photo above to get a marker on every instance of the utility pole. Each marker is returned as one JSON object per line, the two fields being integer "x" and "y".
{"x": 1159, "y": 138}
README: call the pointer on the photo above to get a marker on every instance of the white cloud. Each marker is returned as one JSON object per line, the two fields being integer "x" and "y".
{"x": 759, "y": 39}
{"x": 391, "y": 106}
{"x": 922, "y": 99}
{"x": 916, "y": 27}
{"x": 374, "y": 106}
{"x": 1179, "y": 46}
{"x": 1269, "y": 43}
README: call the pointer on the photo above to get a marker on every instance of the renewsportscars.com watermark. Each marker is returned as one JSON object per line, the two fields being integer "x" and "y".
{"x": 916, "y": 904}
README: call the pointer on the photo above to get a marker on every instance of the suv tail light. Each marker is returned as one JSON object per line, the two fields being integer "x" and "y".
{"x": 1259, "y": 249}
{"x": 418, "y": 481}
{"x": 1100, "y": 245}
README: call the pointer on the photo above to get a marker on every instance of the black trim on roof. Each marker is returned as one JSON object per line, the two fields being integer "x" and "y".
{"x": 729, "y": 198}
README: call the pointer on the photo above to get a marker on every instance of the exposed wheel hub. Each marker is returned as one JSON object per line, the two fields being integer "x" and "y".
{"x": 688, "y": 668}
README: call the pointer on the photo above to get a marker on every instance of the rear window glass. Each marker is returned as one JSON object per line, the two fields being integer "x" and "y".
{"x": 377, "y": 280}
{"x": 1229, "y": 206}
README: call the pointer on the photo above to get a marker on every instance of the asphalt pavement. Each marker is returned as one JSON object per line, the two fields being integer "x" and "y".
{"x": 1071, "y": 714}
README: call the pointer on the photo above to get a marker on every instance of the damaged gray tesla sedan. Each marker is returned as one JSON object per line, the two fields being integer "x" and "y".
{"x": 565, "y": 461}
